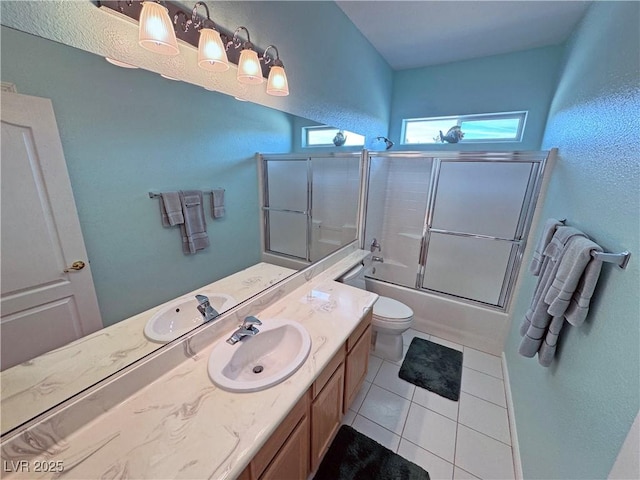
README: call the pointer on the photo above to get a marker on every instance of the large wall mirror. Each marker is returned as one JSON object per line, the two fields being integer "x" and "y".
{"x": 125, "y": 133}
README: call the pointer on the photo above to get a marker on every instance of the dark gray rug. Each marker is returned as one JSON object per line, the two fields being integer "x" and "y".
{"x": 434, "y": 367}
{"x": 354, "y": 456}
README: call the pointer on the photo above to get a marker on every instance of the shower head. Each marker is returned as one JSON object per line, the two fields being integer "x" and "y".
{"x": 388, "y": 143}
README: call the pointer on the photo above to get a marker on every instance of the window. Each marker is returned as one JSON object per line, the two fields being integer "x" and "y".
{"x": 489, "y": 127}
{"x": 323, "y": 137}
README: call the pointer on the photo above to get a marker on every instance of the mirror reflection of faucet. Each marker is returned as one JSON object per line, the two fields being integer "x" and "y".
{"x": 247, "y": 329}
{"x": 205, "y": 308}
{"x": 375, "y": 246}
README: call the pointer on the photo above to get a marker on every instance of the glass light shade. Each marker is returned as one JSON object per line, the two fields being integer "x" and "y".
{"x": 212, "y": 55}
{"x": 118, "y": 63}
{"x": 249, "y": 70}
{"x": 156, "y": 32}
{"x": 277, "y": 83}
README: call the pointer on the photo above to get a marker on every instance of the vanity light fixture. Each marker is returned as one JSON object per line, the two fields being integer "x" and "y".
{"x": 163, "y": 23}
{"x": 212, "y": 54}
{"x": 155, "y": 32}
{"x": 277, "y": 83}
{"x": 249, "y": 70}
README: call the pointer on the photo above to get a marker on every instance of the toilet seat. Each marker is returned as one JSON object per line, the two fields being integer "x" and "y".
{"x": 389, "y": 310}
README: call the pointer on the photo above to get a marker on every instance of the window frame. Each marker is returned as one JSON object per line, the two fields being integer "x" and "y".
{"x": 305, "y": 137}
{"x": 521, "y": 115}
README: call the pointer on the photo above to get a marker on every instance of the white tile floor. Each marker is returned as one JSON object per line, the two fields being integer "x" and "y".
{"x": 468, "y": 439}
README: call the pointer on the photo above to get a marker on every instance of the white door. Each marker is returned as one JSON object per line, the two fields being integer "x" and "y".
{"x": 42, "y": 307}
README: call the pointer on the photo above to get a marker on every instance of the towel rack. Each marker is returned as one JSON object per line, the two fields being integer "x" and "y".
{"x": 621, "y": 259}
{"x": 158, "y": 195}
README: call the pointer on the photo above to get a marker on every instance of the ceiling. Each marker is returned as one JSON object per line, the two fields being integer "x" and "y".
{"x": 411, "y": 34}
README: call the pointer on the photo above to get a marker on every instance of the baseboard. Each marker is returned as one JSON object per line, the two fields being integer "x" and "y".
{"x": 515, "y": 446}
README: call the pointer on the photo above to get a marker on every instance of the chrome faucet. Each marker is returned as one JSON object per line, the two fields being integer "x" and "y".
{"x": 377, "y": 259}
{"x": 375, "y": 245}
{"x": 205, "y": 308}
{"x": 247, "y": 329}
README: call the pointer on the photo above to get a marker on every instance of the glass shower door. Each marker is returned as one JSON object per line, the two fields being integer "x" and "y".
{"x": 310, "y": 204}
{"x": 287, "y": 198}
{"x": 475, "y": 226}
{"x": 335, "y": 199}
{"x": 398, "y": 192}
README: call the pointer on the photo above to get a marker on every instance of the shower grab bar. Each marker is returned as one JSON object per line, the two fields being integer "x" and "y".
{"x": 475, "y": 235}
{"x": 620, "y": 259}
{"x": 272, "y": 209}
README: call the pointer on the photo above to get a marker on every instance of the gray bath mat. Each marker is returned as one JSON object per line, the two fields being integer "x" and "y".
{"x": 354, "y": 456}
{"x": 434, "y": 367}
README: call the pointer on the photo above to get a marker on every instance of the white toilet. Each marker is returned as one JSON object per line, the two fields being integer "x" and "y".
{"x": 391, "y": 318}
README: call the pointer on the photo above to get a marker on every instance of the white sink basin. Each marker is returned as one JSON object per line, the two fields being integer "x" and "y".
{"x": 182, "y": 315}
{"x": 261, "y": 361}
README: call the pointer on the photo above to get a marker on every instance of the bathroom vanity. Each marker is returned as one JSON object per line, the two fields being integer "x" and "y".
{"x": 299, "y": 444}
{"x": 182, "y": 426}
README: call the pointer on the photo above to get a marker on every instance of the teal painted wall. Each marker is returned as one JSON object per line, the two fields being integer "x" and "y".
{"x": 335, "y": 76}
{"x": 128, "y": 132}
{"x": 502, "y": 83}
{"x": 573, "y": 417}
{"x": 116, "y": 153}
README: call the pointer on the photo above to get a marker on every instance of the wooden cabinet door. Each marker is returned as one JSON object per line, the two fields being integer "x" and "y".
{"x": 326, "y": 416}
{"x": 356, "y": 368}
{"x": 278, "y": 438}
{"x": 292, "y": 461}
{"x": 245, "y": 475}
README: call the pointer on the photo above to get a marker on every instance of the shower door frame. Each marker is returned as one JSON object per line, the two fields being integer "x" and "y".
{"x": 529, "y": 202}
{"x": 308, "y": 212}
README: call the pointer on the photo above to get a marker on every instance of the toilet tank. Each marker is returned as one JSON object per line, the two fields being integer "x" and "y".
{"x": 354, "y": 277}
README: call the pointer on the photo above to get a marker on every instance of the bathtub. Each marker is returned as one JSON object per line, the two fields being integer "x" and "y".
{"x": 472, "y": 325}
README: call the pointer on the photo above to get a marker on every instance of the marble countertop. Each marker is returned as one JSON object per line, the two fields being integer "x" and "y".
{"x": 183, "y": 426}
{"x": 34, "y": 386}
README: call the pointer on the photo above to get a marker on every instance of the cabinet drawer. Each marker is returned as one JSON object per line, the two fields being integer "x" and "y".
{"x": 278, "y": 437}
{"x": 324, "y": 377}
{"x": 353, "y": 338}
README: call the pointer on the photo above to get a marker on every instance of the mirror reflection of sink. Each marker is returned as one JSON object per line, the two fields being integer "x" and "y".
{"x": 182, "y": 315}
{"x": 261, "y": 361}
